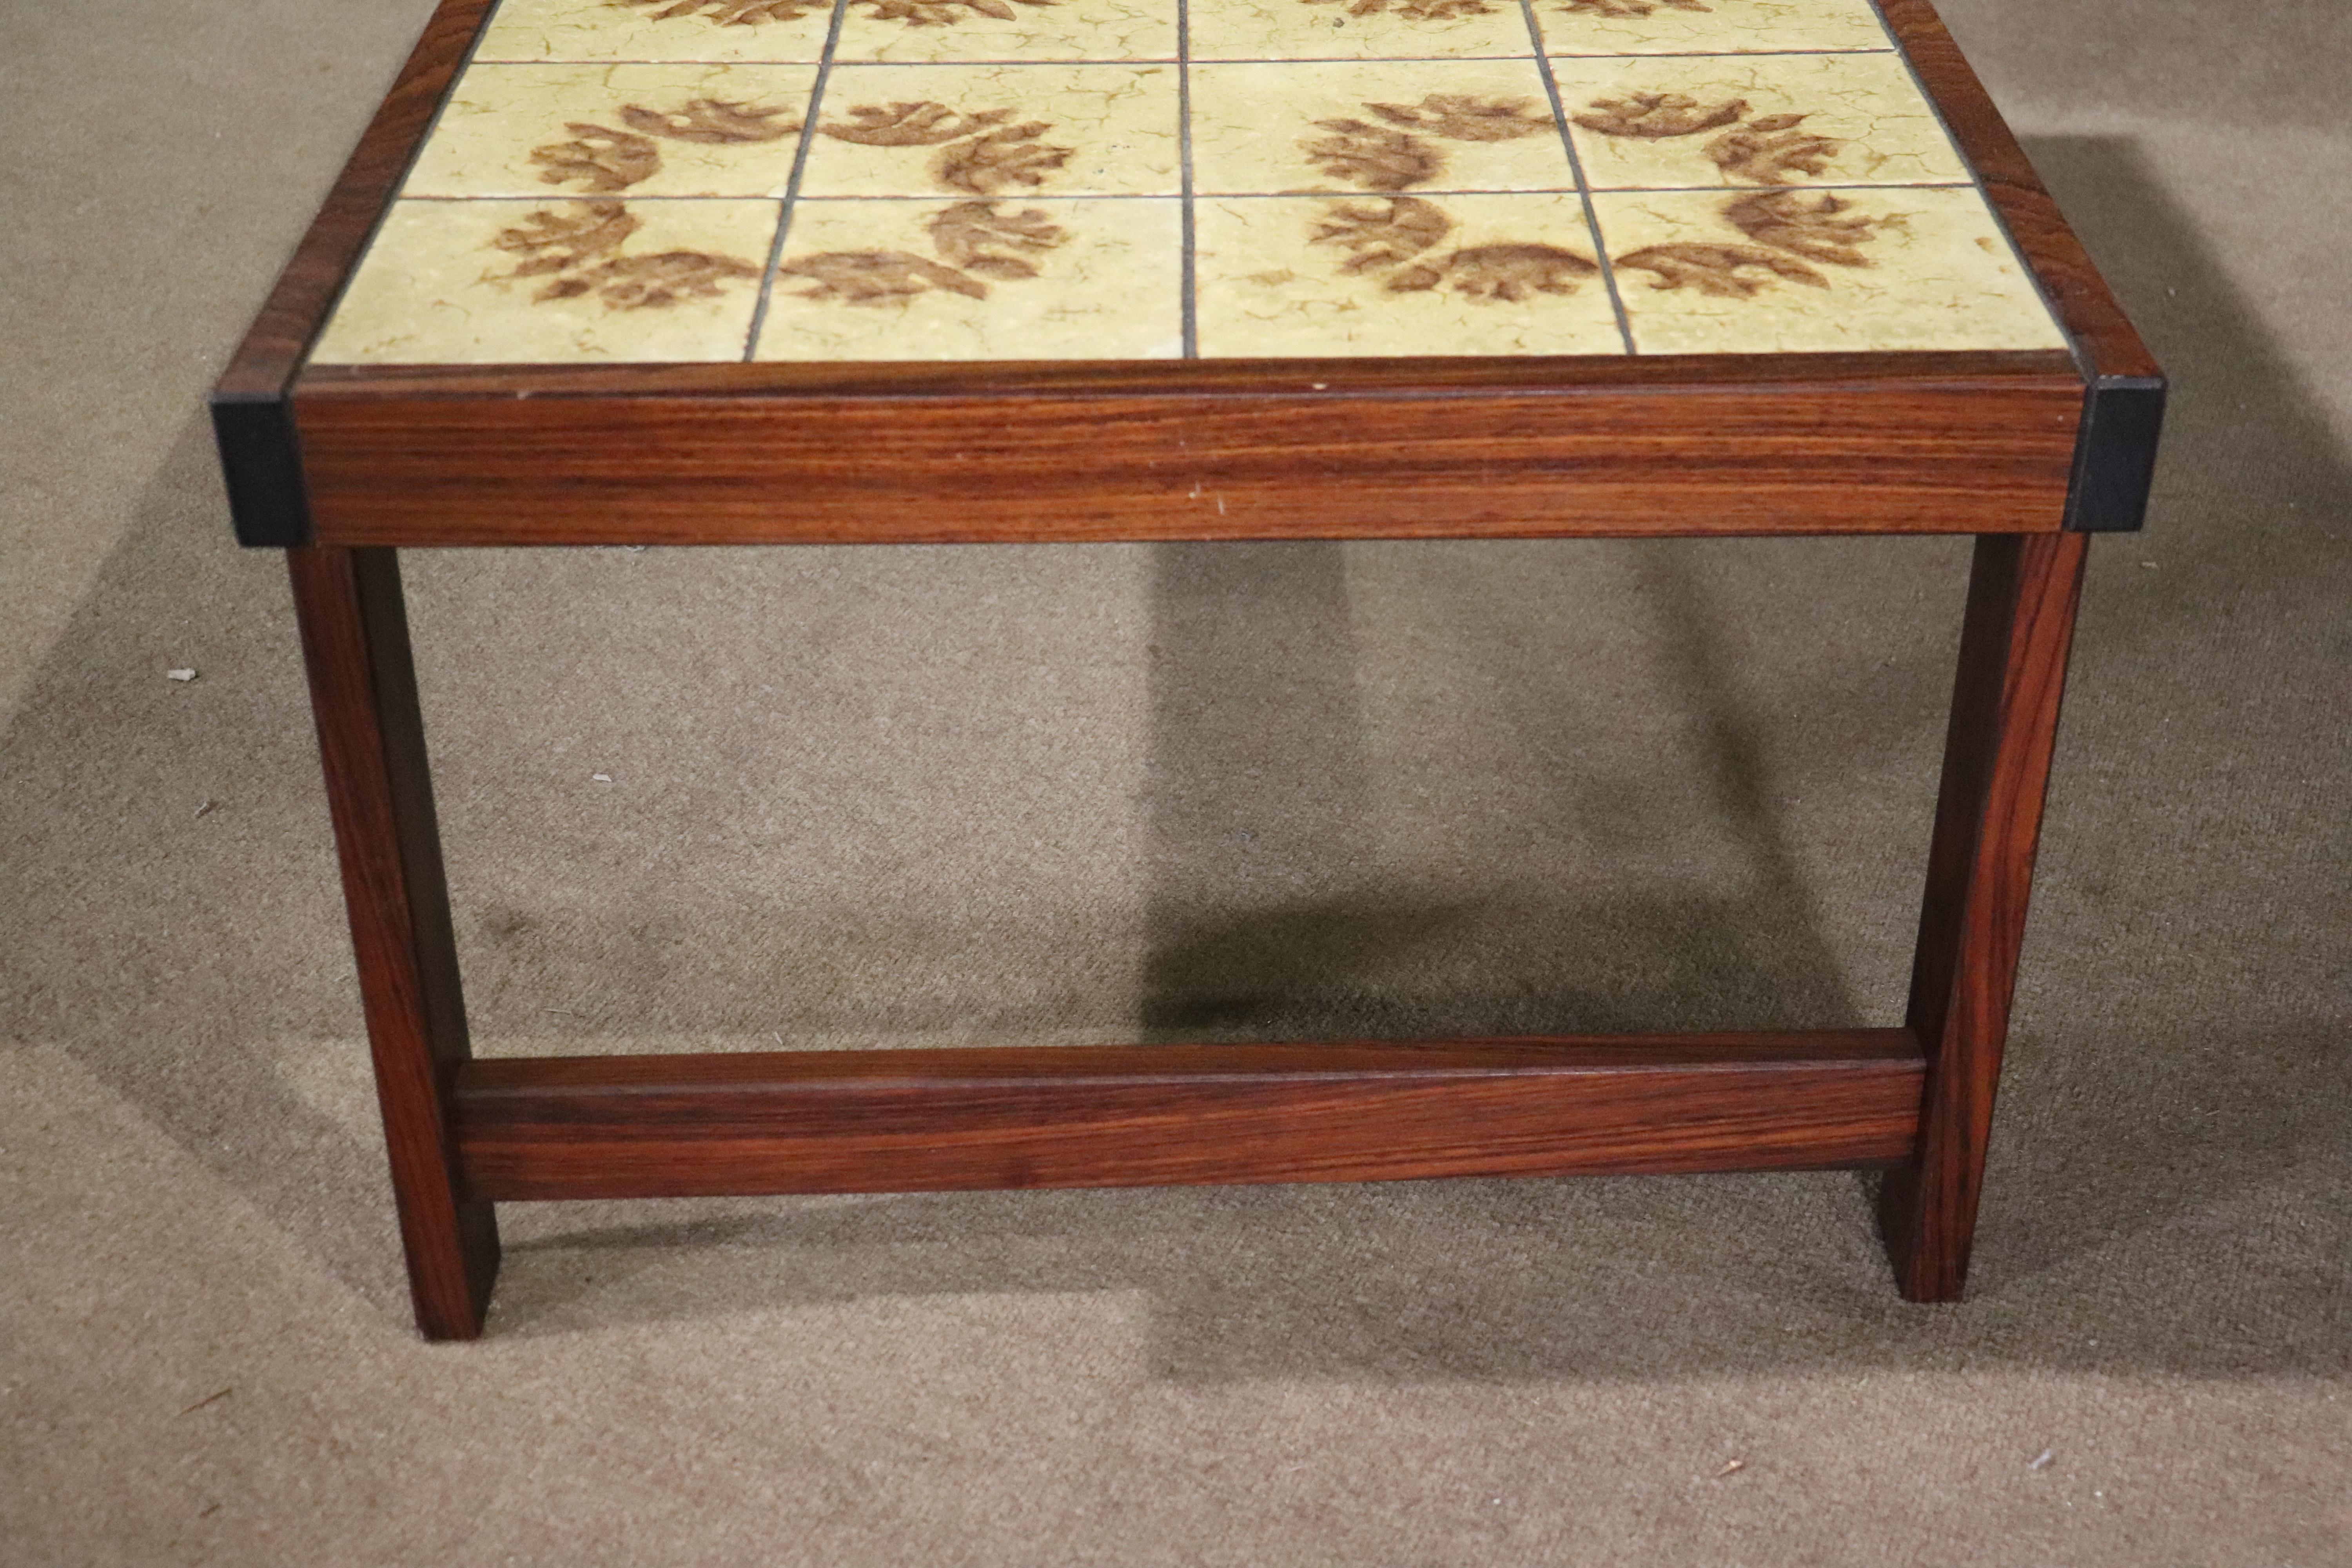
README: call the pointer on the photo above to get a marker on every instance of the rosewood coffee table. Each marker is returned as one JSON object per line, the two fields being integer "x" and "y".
{"x": 891, "y": 271}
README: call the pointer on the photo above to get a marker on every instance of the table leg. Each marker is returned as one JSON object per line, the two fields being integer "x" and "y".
{"x": 2022, "y": 591}
{"x": 372, "y": 742}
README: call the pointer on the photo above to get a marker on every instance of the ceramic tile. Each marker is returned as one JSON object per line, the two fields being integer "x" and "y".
{"x": 979, "y": 280}
{"x": 997, "y": 130}
{"x": 1804, "y": 271}
{"x": 716, "y": 30}
{"x": 545, "y": 282}
{"x": 1356, "y": 29}
{"x": 1399, "y": 274}
{"x": 914, "y": 31}
{"x": 1377, "y": 126}
{"x": 1705, "y": 27}
{"x": 605, "y": 131}
{"x": 1754, "y": 120}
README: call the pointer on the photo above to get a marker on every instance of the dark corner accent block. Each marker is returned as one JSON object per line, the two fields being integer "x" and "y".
{"x": 2116, "y": 460}
{"x": 261, "y": 460}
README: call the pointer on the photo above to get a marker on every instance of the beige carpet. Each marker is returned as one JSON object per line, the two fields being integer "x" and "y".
{"x": 926, "y": 795}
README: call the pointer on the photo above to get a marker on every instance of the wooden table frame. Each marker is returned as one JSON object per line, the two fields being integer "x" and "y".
{"x": 2029, "y": 452}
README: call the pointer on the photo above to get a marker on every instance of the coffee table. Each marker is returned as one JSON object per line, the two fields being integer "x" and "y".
{"x": 897, "y": 271}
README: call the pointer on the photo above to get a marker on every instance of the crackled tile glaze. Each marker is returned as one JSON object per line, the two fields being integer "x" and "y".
{"x": 979, "y": 279}
{"x": 1400, "y": 275}
{"x": 609, "y": 130}
{"x": 1756, "y": 120}
{"x": 1813, "y": 271}
{"x": 998, "y": 131}
{"x": 1375, "y": 126}
{"x": 1705, "y": 27}
{"x": 916, "y": 31}
{"x": 716, "y": 30}
{"x": 1039, "y": 179}
{"x": 526, "y": 282}
{"x": 1358, "y": 29}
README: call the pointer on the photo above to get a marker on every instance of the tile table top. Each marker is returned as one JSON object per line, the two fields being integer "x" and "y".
{"x": 692, "y": 180}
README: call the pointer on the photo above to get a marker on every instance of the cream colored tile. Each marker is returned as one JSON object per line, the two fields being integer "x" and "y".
{"x": 1802, "y": 271}
{"x": 980, "y": 281}
{"x": 486, "y": 282}
{"x": 717, "y": 31}
{"x": 1399, "y": 275}
{"x": 1358, "y": 29}
{"x": 1382, "y": 125}
{"x": 944, "y": 30}
{"x": 1705, "y": 27}
{"x": 998, "y": 131}
{"x": 603, "y": 131}
{"x": 1754, "y": 120}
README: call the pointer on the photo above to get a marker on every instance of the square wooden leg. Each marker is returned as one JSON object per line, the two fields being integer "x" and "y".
{"x": 2023, "y": 592}
{"x": 372, "y": 742}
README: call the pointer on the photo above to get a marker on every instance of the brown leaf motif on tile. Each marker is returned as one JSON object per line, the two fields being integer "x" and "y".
{"x": 1392, "y": 157}
{"x": 1621, "y": 9}
{"x": 597, "y": 158}
{"x": 1462, "y": 117}
{"x": 922, "y": 124}
{"x": 877, "y": 277}
{"x": 726, "y": 12}
{"x": 1654, "y": 115}
{"x": 601, "y": 160}
{"x": 1718, "y": 269}
{"x": 1771, "y": 150}
{"x": 975, "y": 237}
{"x": 1814, "y": 229}
{"x": 579, "y": 251}
{"x": 1382, "y": 236}
{"x": 1377, "y": 157}
{"x": 711, "y": 122}
{"x": 981, "y": 154}
{"x": 1013, "y": 158}
{"x": 944, "y": 13}
{"x": 1507, "y": 272}
{"x": 1414, "y": 10}
{"x": 1790, "y": 230}
{"x": 1400, "y": 233}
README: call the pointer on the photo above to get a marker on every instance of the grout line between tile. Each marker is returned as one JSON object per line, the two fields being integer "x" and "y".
{"x": 1190, "y": 305}
{"x": 793, "y": 186}
{"x": 1584, "y": 186}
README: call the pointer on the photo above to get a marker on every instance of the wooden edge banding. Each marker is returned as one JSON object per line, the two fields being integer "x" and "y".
{"x": 2110, "y": 344}
{"x": 260, "y": 451}
{"x": 2123, "y": 408}
{"x": 831, "y": 1121}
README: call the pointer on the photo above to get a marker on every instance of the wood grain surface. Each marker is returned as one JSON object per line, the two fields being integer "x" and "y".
{"x": 1983, "y": 454}
{"x": 2013, "y": 672}
{"x": 837, "y": 1121}
{"x": 372, "y": 742}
